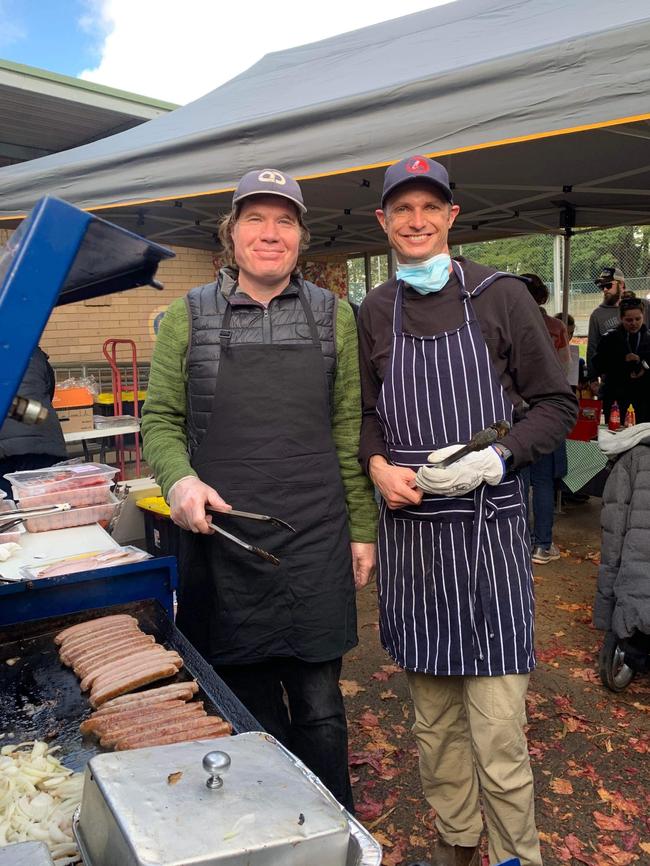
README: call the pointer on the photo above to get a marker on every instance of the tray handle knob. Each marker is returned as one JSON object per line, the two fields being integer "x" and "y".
{"x": 216, "y": 763}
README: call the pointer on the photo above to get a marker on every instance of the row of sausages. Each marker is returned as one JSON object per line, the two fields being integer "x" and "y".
{"x": 113, "y": 657}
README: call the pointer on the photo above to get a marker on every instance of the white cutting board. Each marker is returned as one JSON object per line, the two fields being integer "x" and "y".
{"x": 40, "y": 546}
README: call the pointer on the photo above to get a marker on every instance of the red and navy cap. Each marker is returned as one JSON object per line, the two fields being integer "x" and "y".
{"x": 419, "y": 169}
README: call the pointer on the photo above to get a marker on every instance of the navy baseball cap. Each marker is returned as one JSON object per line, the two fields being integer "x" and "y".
{"x": 420, "y": 169}
{"x": 269, "y": 181}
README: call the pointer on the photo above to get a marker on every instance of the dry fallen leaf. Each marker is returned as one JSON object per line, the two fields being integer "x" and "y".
{"x": 620, "y": 803}
{"x": 174, "y": 778}
{"x": 618, "y": 857}
{"x": 350, "y": 688}
{"x": 610, "y": 822}
{"x": 369, "y": 719}
{"x": 562, "y": 786}
{"x": 383, "y": 839}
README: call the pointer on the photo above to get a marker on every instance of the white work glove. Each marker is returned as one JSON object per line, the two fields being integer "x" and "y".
{"x": 464, "y": 475}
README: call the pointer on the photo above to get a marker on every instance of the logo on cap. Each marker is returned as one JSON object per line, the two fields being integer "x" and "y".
{"x": 417, "y": 165}
{"x": 270, "y": 176}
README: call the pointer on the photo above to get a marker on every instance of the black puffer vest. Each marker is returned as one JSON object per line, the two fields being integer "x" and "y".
{"x": 283, "y": 322}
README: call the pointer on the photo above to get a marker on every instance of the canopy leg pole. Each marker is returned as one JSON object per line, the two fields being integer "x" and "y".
{"x": 558, "y": 253}
{"x": 366, "y": 264}
{"x": 566, "y": 274}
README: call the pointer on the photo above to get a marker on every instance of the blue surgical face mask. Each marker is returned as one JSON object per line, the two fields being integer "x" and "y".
{"x": 429, "y": 276}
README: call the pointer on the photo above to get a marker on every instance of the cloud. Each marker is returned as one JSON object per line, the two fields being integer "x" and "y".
{"x": 178, "y": 51}
{"x": 11, "y": 30}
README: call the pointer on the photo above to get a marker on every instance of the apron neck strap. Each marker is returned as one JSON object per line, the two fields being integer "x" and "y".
{"x": 468, "y": 313}
{"x": 309, "y": 313}
{"x": 225, "y": 333}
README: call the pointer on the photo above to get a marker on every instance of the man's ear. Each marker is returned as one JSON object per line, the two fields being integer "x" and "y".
{"x": 454, "y": 210}
{"x": 381, "y": 218}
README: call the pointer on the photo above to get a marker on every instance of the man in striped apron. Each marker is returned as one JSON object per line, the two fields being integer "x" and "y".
{"x": 448, "y": 348}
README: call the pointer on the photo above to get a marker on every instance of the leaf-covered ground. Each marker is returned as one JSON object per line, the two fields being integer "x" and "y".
{"x": 590, "y": 748}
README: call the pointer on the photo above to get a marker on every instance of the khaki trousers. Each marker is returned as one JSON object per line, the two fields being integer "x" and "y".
{"x": 470, "y": 730}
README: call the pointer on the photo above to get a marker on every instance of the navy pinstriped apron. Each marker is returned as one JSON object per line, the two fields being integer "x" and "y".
{"x": 455, "y": 584}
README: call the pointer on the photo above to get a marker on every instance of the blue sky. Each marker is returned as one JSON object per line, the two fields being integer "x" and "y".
{"x": 49, "y": 35}
{"x": 170, "y": 50}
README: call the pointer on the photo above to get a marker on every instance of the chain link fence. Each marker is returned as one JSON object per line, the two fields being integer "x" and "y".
{"x": 626, "y": 247}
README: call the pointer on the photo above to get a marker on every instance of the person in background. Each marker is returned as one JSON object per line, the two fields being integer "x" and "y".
{"x": 555, "y": 327}
{"x": 582, "y": 364}
{"x": 628, "y": 293}
{"x": 254, "y": 404}
{"x": 542, "y": 474}
{"x": 605, "y": 317}
{"x": 32, "y": 446}
{"x": 447, "y": 348}
{"x": 623, "y": 360}
{"x": 570, "y": 324}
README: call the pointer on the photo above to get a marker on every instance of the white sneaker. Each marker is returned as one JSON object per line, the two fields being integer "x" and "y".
{"x": 542, "y": 555}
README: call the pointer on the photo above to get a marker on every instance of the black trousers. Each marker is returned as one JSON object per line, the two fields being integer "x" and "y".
{"x": 311, "y": 723}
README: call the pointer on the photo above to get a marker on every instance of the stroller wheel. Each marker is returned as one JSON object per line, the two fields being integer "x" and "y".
{"x": 614, "y": 673}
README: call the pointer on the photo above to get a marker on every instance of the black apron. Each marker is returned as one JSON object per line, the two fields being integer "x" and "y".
{"x": 269, "y": 449}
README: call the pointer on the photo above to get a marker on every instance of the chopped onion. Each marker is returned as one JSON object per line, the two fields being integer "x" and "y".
{"x": 38, "y": 796}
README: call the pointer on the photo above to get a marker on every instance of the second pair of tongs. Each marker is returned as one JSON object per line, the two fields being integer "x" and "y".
{"x": 258, "y": 551}
{"x": 11, "y": 519}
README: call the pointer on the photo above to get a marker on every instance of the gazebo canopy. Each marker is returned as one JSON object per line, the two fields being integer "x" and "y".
{"x": 540, "y": 109}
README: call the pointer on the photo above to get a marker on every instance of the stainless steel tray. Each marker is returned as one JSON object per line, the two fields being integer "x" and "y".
{"x": 25, "y": 854}
{"x": 271, "y": 811}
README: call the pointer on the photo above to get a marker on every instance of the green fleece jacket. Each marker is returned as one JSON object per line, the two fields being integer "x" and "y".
{"x": 164, "y": 414}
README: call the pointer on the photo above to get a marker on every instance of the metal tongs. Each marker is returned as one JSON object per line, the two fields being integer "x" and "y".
{"x": 479, "y": 441}
{"x": 10, "y": 519}
{"x": 250, "y": 515}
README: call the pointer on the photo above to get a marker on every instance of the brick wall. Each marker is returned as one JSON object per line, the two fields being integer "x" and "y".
{"x": 76, "y": 332}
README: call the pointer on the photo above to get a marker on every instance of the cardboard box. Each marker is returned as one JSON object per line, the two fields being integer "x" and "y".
{"x": 77, "y": 419}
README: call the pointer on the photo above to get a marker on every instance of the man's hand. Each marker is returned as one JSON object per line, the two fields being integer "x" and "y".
{"x": 595, "y": 387}
{"x": 395, "y": 483}
{"x": 632, "y": 358}
{"x": 187, "y": 500}
{"x": 363, "y": 562}
{"x": 463, "y": 476}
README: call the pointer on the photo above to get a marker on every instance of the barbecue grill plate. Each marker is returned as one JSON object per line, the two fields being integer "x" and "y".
{"x": 42, "y": 699}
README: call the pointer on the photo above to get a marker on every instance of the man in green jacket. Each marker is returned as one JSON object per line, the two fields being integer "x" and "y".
{"x": 254, "y": 404}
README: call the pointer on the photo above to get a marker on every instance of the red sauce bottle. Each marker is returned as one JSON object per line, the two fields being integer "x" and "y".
{"x": 614, "y": 417}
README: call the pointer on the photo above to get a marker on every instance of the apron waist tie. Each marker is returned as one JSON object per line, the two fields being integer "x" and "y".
{"x": 479, "y": 580}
